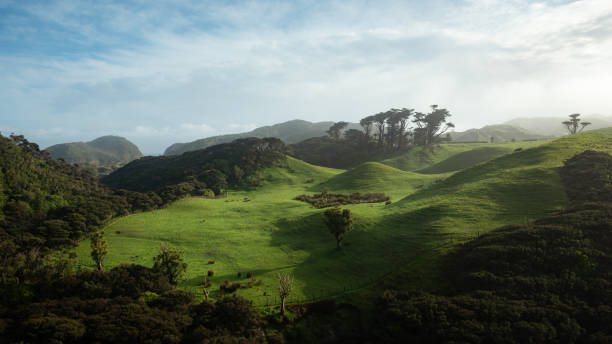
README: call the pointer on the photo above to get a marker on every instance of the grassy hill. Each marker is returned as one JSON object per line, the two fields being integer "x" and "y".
{"x": 420, "y": 158}
{"x": 289, "y": 132}
{"x": 376, "y": 177}
{"x": 499, "y": 133}
{"x": 552, "y": 125}
{"x": 266, "y": 231}
{"x": 103, "y": 150}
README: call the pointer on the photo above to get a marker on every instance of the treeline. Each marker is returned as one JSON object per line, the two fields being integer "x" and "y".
{"x": 543, "y": 282}
{"x": 383, "y": 134}
{"x": 205, "y": 172}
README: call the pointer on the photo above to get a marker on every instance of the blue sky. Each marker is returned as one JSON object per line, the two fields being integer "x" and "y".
{"x": 182, "y": 70}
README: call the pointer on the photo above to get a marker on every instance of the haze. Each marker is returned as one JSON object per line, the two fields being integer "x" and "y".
{"x": 181, "y": 71}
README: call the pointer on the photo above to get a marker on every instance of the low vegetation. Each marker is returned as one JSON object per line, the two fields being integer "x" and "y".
{"x": 325, "y": 199}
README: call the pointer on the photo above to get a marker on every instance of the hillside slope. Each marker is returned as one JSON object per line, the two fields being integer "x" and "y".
{"x": 376, "y": 177}
{"x": 499, "y": 133}
{"x": 552, "y": 125}
{"x": 103, "y": 150}
{"x": 289, "y": 132}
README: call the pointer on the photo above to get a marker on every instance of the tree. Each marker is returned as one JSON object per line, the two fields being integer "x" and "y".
{"x": 98, "y": 249}
{"x": 285, "y": 284}
{"x": 574, "y": 126}
{"x": 431, "y": 125}
{"x": 336, "y": 128}
{"x": 380, "y": 119}
{"x": 170, "y": 263}
{"x": 339, "y": 222}
{"x": 366, "y": 124}
{"x": 205, "y": 284}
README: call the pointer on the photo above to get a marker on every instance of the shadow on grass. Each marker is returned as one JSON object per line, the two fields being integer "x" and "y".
{"x": 372, "y": 252}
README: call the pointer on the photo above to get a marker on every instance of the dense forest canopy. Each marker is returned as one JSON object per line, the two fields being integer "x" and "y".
{"x": 199, "y": 172}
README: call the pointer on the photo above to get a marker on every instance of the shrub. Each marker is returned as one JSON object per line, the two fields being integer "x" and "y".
{"x": 387, "y": 202}
{"x": 325, "y": 199}
{"x": 211, "y": 273}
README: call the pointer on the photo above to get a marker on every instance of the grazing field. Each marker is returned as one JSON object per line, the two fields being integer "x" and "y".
{"x": 266, "y": 231}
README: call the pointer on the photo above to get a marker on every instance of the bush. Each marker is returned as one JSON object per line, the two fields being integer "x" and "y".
{"x": 324, "y": 199}
{"x": 211, "y": 273}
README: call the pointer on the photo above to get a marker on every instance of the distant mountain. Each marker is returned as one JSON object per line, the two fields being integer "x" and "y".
{"x": 289, "y": 132}
{"x": 103, "y": 150}
{"x": 500, "y": 133}
{"x": 552, "y": 125}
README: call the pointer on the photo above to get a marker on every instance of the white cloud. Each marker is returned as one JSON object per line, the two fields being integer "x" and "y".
{"x": 487, "y": 61}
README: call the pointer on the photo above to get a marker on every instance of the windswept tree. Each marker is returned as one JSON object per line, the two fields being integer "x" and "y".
{"x": 574, "y": 125}
{"x": 285, "y": 284}
{"x": 336, "y": 128}
{"x": 430, "y": 126}
{"x": 339, "y": 222}
{"x": 379, "y": 120}
{"x": 98, "y": 249}
{"x": 170, "y": 263}
{"x": 366, "y": 123}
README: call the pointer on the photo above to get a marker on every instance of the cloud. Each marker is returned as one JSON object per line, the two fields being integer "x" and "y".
{"x": 160, "y": 72}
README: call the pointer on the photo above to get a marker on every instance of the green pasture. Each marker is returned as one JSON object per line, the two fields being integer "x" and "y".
{"x": 266, "y": 231}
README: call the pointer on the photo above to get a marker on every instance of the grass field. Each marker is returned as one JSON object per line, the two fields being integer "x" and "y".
{"x": 265, "y": 231}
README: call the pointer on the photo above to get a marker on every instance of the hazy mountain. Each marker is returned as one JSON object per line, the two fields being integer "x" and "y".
{"x": 500, "y": 133}
{"x": 553, "y": 126}
{"x": 290, "y": 132}
{"x": 103, "y": 150}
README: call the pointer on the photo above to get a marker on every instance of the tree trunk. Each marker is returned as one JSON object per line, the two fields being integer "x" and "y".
{"x": 338, "y": 243}
{"x": 282, "y": 306}
{"x": 100, "y": 266}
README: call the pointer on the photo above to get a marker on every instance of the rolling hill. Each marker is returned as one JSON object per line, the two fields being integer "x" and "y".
{"x": 552, "y": 125}
{"x": 266, "y": 231}
{"x": 103, "y": 150}
{"x": 499, "y": 133}
{"x": 289, "y": 132}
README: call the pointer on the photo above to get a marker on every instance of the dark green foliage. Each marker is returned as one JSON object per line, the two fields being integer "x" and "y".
{"x": 230, "y": 320}
{"x": 98, "y": 249}
{"x": 546, "y": 282}
{"x": 170, "y": 263}
{"x": 324, "y": 199}
{"x": 49, "y": 203}
{"x": 325, "y": 151}
{"x": 339, "y": 222}
{"x": 587, "y": 177}
{"x": 194, "y": 173}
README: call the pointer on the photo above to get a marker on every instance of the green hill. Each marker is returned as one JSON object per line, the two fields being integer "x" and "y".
{"x": 467, "y": 159}
{"x": 264, "y": 230}
{"x": 552, "y": 125}
{"x": 499, "y": 133}
{"x": 376, "y": 177}
{"x": 289, "y": 132}
{"x": 103, "y": 150}
{"x": 421, "y": 158}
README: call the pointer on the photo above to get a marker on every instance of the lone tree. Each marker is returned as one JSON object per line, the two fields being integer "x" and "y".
{"x": 335, "y": 129}
{"x": 574, "y": 126}
{"x": 339, "y": 222}
{"x": 285, "y": 284}
{"x": 170, "y": 263}
{"x": 206, "y": 284}
{"x": 98, "y": 249}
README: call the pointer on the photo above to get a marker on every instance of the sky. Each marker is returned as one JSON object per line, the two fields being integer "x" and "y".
{"x": 159, "y": 72}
